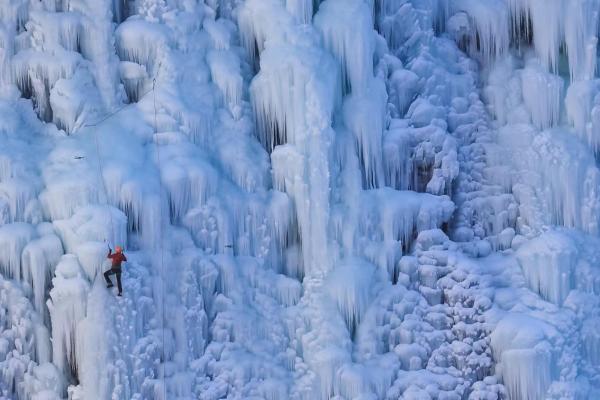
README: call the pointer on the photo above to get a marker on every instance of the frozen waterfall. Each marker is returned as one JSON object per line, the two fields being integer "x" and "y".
{"x": 318, "y": 199}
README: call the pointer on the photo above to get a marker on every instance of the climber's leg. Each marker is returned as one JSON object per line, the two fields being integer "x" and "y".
{"x": 118, "y": 273}
{"x": 109, "y": 283}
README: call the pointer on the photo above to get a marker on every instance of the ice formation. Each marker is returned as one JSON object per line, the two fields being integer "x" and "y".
{"x": 318, "y": 199}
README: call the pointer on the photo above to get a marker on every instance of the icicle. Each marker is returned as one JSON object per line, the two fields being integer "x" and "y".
{"x": 351, "y": 286}
{"x": 210, "y": 227}
{"x": 352, "y": 382}
{"x": 67, "y": 306}
{"x": 39, "y": 258}
{"x": 302, "y": 10}
{"x": 285, "y": 290}
{"x": 140, "y": 41}
{"x": 490, "y": 36}
{"x": 50, "y": 30}
{"x": 527, "y": 375}
{"x": 395, "y": 215}
{"x": 98, "y": 371}
{"x": 93, "y": 223}
{"x": 403, "y": 87}
{"x": 35, "y": 73}
{"x": 401, "y": 22}
{"x": 219, "y": 33}
{"x": 134, "y": 77}
{"x": 24, "y": 341}
{"x": 44, "y": 380}
{"x": 547, "y": 21}
{"x": 18, "y": 193}
{"x": 397, "y": 157}
{"x": 120, "y": 10}
{"x": 15, "y": 14}
{"x": 67, "y": 188}
{"x": 568, "y": 184}
{"x": 364, "y": 116}
{"x": 259, "y": 21}
{"x": 131, "y": 201}
{"x": 520, "y": 345}
{"x": 582, "y": 104}
{"x": 226, "y": 74}
{"x": 191, "y": 289}
{"x": 312, "y": 215}
{"x": 347, "y": 30}
{"x": 244, "y": 160}
{"x": 326, "y": 362}
{"x": 280, "y": 92}
{"x": 282, "y": 221}
{"x": 13, "y": 239}
{"x": 285, "y": 160}
{"x": 548, "y": 263}
{"x": 153, "y": 220}
{"x": 542, "y": 94}
{"x": 92, "y": 257}
{"x": 189, "y": 182}
{"x": 590, "y": 334}
{"x": 70, "y": 97}
{"x": 581, "y": 37}
{"x": 561, "y": 190}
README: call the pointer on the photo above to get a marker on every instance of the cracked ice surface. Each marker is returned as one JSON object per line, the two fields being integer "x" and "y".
{"x": 358, "y": 199}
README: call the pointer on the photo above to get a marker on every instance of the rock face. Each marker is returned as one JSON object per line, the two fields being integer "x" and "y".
{"x": 337, "y": 199}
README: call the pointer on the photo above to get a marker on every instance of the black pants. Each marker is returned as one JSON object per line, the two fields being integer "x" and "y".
{"x": 116, "y": 272}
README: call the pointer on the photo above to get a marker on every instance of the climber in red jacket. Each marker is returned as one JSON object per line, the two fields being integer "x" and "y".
{"x": 116, "y": 258}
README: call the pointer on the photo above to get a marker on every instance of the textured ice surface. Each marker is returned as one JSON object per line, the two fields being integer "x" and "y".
{"x": 336, "y": 199}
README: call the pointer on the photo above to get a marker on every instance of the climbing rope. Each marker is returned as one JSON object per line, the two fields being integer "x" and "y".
{"x": 161, "y": 240}
{"x": 100, "y": 168}
{"x": 99, "y": 163}
{"x": 110, "y": 115}
{"x": 101, "y": 176}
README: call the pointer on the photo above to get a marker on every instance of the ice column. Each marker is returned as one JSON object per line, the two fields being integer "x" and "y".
{"x": 490, "y": 20}
{"x": 294, "y": 96}
{"x": 548, "y": 263}
{"x": 520, "y": 345}
{"x": 67, "y": 306}
{"x": 39, "y": 258}
{"x": 347, "y": 30}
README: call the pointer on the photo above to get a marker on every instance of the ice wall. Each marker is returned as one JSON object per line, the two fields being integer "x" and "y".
{"x": 548, "y": 263}
{"x": 318, "y": 199}
{"x": 67, "y": 307}
{"x": 489, "y": 27}
{"x": 525, "y": 356}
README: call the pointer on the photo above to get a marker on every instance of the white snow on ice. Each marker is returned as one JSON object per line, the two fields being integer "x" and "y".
{"x": 318, "y": 199}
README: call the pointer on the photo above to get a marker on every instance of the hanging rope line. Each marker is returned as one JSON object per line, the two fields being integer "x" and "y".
{"x": 100, "y": 168}
{"x": 161, "y": 239}
{"x": 118, "y": 110}
{"x": 101, "y": 176}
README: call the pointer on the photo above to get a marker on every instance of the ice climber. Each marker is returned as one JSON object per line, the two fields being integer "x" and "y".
{"x": 117, "y": 258}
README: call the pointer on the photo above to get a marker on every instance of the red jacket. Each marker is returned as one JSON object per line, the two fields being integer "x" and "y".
{"x": 117, "y": 259}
